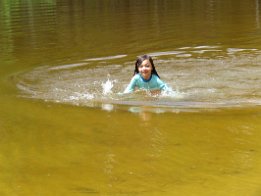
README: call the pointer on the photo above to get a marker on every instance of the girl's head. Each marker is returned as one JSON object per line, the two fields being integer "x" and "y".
{"x": 145, "y": 66}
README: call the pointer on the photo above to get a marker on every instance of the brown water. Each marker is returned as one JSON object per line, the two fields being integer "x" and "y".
{"x": 66, "y": 129}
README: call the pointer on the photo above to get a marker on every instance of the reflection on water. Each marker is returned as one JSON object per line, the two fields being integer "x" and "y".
{"x": 49, "y": 30}
{"x": 139, "y": 154}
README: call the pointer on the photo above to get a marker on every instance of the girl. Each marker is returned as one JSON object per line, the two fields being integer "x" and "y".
{"x": 145, "y": 76}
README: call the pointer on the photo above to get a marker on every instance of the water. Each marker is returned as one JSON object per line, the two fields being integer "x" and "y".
{"x": 66, "y": 129}
{"x": 231, "y": 78}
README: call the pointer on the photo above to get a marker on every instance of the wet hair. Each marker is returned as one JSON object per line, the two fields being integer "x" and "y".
{"x": 139, "y": 61}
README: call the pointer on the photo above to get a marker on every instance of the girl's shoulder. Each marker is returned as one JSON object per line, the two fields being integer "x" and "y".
{"x": 155, "y": 77}
{"x": 136, "y": 77}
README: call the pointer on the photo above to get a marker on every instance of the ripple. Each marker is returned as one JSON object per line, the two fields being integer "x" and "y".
{"x": 69, "y": 66}
{"x": 198, "y": 83}
{"x": 106, "y": 58}
{"x": 165, "y": 53}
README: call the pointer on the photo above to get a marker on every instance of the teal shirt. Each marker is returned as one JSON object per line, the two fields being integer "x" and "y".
{"x": 154, "y": 83}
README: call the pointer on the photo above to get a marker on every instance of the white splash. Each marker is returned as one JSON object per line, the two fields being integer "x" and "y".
{"x": 107, "y": 87}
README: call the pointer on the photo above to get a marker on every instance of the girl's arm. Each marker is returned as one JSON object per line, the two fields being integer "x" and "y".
{"x": 130, "y": 88}
{"x": 163, "y": 86}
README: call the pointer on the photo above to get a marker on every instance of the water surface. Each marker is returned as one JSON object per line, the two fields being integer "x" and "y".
{"x": 66, "y": 129}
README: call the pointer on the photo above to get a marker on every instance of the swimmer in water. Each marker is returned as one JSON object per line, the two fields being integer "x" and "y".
{"x": 146, "y": 77}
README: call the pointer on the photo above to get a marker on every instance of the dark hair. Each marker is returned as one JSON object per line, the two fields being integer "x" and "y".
{"x": 139, "y": 61}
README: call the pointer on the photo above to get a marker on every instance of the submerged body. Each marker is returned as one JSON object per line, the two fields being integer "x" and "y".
{"x": 153, "y": 83}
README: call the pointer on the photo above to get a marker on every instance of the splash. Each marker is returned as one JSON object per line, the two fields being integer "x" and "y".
{"x": 107, "y": 86}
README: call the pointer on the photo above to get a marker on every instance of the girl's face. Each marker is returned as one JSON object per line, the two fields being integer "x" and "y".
{"x": 145, "y": 69}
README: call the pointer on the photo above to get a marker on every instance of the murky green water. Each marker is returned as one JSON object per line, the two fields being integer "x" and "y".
{"x": 66, "y": 130}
